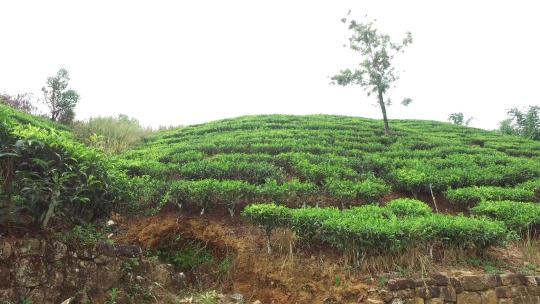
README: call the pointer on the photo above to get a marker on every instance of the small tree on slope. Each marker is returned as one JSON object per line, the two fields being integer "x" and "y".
{"x": 60, "y": 100}
{"x": 375, "y": 73}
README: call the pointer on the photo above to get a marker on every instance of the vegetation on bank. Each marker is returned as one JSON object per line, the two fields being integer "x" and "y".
{"x": 370, "y": 229}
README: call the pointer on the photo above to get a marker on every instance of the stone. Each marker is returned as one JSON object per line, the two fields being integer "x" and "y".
{"x": 448, "y": 294}
{"x": 110, "y": 223}
{"x": 30, "y": 272}
{"x": 404, "y": 294}
{"x": 506, "y": 301}
{"x": 473, "y": 283}
{"x": 102, "y": 259}
{"x": 105, "y": 249}
{"x": 130, "y": 251}
{"x": 439, "y": 279}
{"x": 518, "y": 291}
{"x": 531, "y": 281}
{"x": 415, "y": 300}
{"x": 435, "y": 301}
{"x": 493, "y": 281}
{"x": 36, "y": 295}
{"x": 467, "y": 297}
{"x": 399, "y": 284}
{"x": 510, "y": 279}
{"x": 489, "y": 297}
{"x": 533, "y": 290}
{"x": 503, "y": 292}
{"x": 397, "y": 301}
{"x": 237, "y": 298}
{"x": 256, "y": 302}
{"x": 58, "y": 251}
{"x": 374, "y": 301}
{"x": 457, "y": 285}
{"x": 5, "y": 275}
{"x": 428, "y": 292}
{"x": 108, "y": 275}
{"x": 7, "y": 295}
{"x": 68, "y": 301}
{"x": 26, "y": 247}
{"x": 5, "y": 250}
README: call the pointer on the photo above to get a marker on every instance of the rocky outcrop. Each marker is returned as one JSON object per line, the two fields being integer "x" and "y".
{"x": 47, "y": 271}
{"x": 466, "y": 289}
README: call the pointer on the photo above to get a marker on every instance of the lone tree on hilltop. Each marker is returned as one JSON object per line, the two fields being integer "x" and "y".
{"x": 459, "y": 119}
{"x": 375, "y": 73}
{"x": 60, "y": 101}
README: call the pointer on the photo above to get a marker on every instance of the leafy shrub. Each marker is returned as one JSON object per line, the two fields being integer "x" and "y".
{"x": 268, "y": 216}
{"x": 404, "y": 207}
{"x": 293, "y": 191}
{"x": 532, "y": 185}
{"x": 520, "y": 217}
{"x": 52, "y": 173}
{"x": 373, "y": 229}
{"x": 111, "y": 134}
{"x": 370, "y": 189}
{"x": 473, "y": 195}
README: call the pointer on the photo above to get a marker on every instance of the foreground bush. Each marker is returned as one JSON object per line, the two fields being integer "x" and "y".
{"x": 45, "y": 172}
{"x": 471, "y": 196}
{"x": 523, "y": 218}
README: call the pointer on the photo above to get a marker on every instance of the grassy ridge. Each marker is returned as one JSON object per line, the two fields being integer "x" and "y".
{"x": 338, "y": 158}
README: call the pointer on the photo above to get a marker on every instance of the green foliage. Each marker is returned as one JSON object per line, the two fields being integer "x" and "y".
{"x": 459, "y": 119}
{"x": 110, "y": 134}
{"x": 60, "y": 100}
{"x": 532, "y": 185}
{"x": 373, "y": 230}
{"x": 522, "y": 123}
{"x": 46, "y": 172}
{"x": 523, "y": 218}
{"x": 404, "y": 207}
{"x": 370, "y": 189}
{"x": 471, "y": 196}
{"x": 84, "y": 235}
{"x": 268, "y": 216}
{"x": 375, "y": 74}
{"x": 191, "y": 256}
{"x": 303, "y": 160}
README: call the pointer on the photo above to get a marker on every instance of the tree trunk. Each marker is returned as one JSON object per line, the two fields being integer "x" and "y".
{"x": 383, "y": 109}
{"x": 50, "y": 210}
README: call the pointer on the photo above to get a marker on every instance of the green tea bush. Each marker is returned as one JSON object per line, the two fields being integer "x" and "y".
{"x": 520, "y": 217}
{"x": 532, "y": 185}
{"x": 405, "y": 207}
{"x": 471, "y": 196}
{"x": 48, "y": 172}
{"x": 370, "y": 189}
{"x": 374, "y": 230}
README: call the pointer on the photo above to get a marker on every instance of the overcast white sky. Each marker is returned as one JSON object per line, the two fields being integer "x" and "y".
{"x": 185, "y": 62}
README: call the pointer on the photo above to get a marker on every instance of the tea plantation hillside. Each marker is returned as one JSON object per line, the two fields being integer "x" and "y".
{"x": 330, "y": 160}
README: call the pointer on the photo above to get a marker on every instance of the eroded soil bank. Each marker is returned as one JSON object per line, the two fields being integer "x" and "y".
{"x": 127, "y": 269}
